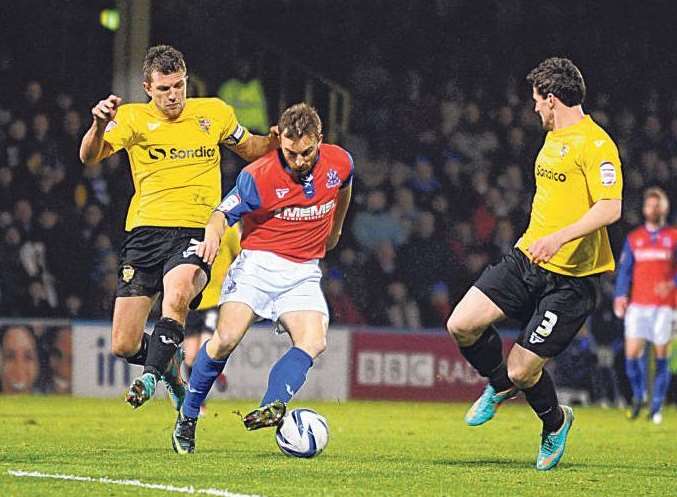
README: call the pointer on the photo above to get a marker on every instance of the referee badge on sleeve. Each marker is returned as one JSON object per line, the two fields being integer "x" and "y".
{"x": 607, "y": 172}
{"x": 127, "y": 273}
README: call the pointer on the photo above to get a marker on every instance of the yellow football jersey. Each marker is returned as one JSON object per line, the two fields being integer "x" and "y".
{"x": 577, "y": 166}
{"x": 228, "y": 251}
{"x": 175, "y": 163}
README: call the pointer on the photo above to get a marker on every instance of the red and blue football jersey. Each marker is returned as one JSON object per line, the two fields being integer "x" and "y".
{"x": 290, "y": 218}
{"x": 648, "y": 258}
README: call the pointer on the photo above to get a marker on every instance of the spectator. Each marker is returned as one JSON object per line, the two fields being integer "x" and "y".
{"x": 402, "y": 311}
{"x": 374, "y": 225}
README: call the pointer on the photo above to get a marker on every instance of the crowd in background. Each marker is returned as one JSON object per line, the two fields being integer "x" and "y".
{"x": 443, "y": 187}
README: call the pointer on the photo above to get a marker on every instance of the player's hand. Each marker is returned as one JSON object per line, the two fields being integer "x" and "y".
{"x": 664, "y": 288}
{"x": 274, "y": 137}
{"x": 543, "y": 249}
{"x": 105, "y": 110}
{"x": 208, "y": 249}
{"x": 620, "y": 306}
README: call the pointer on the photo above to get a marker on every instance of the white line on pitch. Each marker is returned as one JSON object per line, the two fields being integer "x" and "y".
{"x": 129, "y": 483}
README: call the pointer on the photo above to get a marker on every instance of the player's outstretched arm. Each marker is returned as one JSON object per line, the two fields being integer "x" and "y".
{"x": 602, "y": 213}
{"x": 208, "y": 249}
{"x": 94, "y": 148}
{"x": 257, "y": 145}
{"x": 342, "y": 205}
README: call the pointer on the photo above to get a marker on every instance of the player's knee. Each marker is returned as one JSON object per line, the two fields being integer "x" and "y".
{"x": 458, "y": 327}
{"x": 225, "y": 341}
{"x": 313, "y": 343}
{"x": 176, "y": 301}
{"x": 521, "y": 376}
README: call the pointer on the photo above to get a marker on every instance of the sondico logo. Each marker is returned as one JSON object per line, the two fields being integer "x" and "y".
{"x": 159, "y": 153}
{"x": 311, "y": 213}
{"x": 550, "y": 174}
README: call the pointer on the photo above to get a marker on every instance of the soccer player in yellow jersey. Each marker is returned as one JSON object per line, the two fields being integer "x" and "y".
{"x": 549, "y": 281}
{"x": 173, "y": 146}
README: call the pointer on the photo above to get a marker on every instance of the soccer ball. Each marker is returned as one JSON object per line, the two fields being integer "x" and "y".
{"x": 302, "y": 433}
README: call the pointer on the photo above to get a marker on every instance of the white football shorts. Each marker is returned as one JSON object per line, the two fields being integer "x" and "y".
{"x": 272, "y": 285}
{"x": 650, "y": 322}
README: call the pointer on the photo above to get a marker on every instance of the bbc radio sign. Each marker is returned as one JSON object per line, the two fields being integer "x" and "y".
{"x": 416, "y": 366}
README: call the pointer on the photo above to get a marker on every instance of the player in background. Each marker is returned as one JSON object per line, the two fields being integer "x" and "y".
{"x": 549, "y": 281}
{"x": 645, "y": 297}
{"x": 173, "y": 147}
{"x": 292, "y": 203}
{"x": 201, "y": 323}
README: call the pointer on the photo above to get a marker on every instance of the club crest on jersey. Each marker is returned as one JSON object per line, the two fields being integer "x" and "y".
{"x": 563, "y": 151}
{"x": 127, "y": 273}
{"x": 205, "y": 124}
{"x": 333, "y": 179}
{"x": 281, "y": 192}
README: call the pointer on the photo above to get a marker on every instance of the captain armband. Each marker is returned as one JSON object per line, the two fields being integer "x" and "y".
{"x": 236, "y": 136}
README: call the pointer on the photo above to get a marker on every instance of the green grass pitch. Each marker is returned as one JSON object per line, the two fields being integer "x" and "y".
{"x": 375, "y": 449}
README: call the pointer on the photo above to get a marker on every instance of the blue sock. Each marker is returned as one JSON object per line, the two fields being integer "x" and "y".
{"x": 633, "y": 369}
{"x": 287, "y": 376}
{"x": 660, "y": 385}
{"x": 205, "y": 371}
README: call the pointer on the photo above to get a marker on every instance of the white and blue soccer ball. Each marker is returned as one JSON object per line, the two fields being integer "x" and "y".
{"x": 302, "y": 433}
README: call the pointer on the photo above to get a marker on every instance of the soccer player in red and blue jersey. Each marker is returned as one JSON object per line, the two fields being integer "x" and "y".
{"x": 292, "y": 203}
{"x": 647, "y": 274}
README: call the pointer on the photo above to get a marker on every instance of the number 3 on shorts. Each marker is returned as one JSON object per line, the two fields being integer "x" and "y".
{"x": 548, "y": 323}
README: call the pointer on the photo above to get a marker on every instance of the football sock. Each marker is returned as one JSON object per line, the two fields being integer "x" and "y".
{"x": 202, "y": 377}
{"x": 287, "y": 376}
{"x": 660, "y": 385}
{"x": 635, "y": 374}
{"x": 543, "y": 400}
{"x": 140, "y": 357}
{"x": 166, "y": 338}
{"x": 486, "y": 356}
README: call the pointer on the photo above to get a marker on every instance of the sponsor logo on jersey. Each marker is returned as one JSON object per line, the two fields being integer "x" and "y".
{"x": 153, "y": 126}
{"x": 652, "y": 254}
{"x": 127, "y": 273}
{"x": 564, "y": 150}
{"x": 333, "y": 179}
{"x": 159, "y": 153}
{"x": 311, "y": 213}
{"x": 204, "y": 123}
{"x": 281, "y": 192}
{"x": 607, "y": 172}
{"x": 550, "y": 174}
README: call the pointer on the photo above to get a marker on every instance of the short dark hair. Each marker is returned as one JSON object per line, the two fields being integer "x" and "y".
{"x": 560, "y": 77}
{"x": 300, "y": 120}
{"x": 163, "y": 59}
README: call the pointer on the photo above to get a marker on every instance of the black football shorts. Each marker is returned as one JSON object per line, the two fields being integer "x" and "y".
{"x": 148, "y": 253}
{"x": 550, "y": 307}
